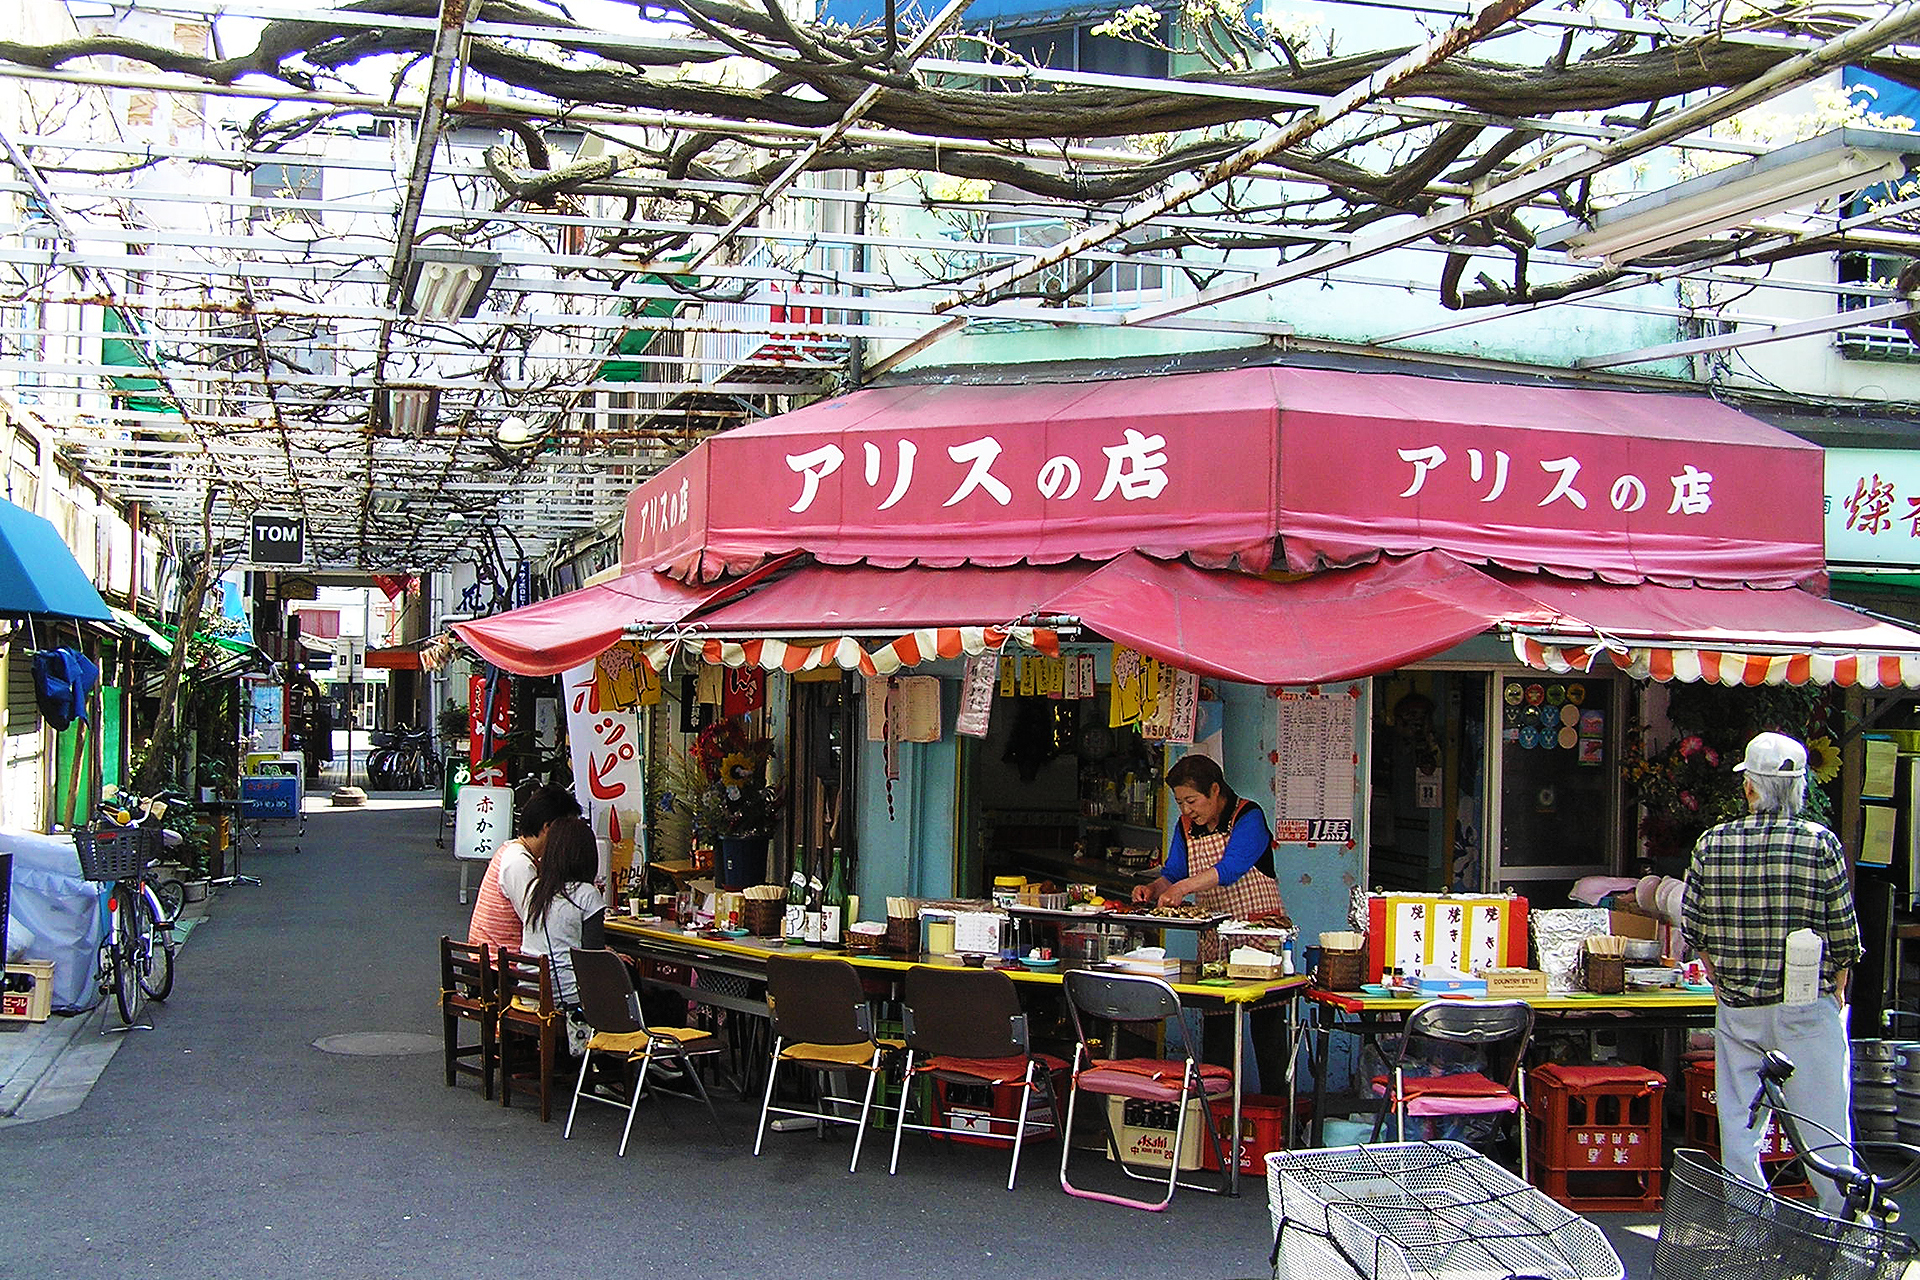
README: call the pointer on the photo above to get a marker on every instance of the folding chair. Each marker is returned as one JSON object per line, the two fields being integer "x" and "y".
{"x": 466, "y": 995}
{"x": 966, "y": 1027}
{"x": 525, "y": 994}
{"x": 612, "y": 1008}
{"x": 1151, "y": 1008}
{"x": 821, "y": 1021}
{"x": 1500, "y": 1029}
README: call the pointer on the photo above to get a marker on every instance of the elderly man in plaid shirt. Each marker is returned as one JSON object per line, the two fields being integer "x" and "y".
{"x": 1753, "y": 881}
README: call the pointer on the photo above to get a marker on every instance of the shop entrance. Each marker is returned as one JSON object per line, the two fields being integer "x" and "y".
{"x": 1427, "y": 812}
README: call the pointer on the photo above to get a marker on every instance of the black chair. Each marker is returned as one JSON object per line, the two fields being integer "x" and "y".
{"x": 1151, "y": 1008}
{"x": 966, "y": 1027}
{"x": 821, "y": 1021}
{"x": 1499, "y": 1029}
{"x": 611, "y": 1007}
{"x": 466, "y": 995}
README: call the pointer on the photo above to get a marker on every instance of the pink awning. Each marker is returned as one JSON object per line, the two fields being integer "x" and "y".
{"x": 549, "y": 637}
{"x": 1335, "y": 466}
{"x": 822, "y": 599}
{"x": 1733, "y": 636}
{"x": 1337, "y": 625}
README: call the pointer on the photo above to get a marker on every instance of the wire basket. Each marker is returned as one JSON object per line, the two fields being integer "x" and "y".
{"x": 119, "y": 854}
{"x": 1713, "y": 1224}
{"x": 1422, "y": 1211}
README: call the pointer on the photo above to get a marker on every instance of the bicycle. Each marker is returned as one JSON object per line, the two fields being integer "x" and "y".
{"x": 137, "y": 953}
{"x": 121, "y": 810}
{"x": 1712, "y": 1224}
{"x": 400, "y": 761}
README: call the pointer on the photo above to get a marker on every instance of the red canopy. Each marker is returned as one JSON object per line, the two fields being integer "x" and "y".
{"x": 1734, "y": 636}
{"x": 825, "y": 599}
{"x": 1336, "y": 625}
{"x": 1338, "y": 466}
{"x": 549, "y": 637}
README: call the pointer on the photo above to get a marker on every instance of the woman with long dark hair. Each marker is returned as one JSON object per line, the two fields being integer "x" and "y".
{"x": 564, "y": 908}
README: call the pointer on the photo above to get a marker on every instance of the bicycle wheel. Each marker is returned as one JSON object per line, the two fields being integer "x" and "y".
{"x": 126, "y": 952}
{"x": 172, "y": 894}
{"x": 156, "y": 969}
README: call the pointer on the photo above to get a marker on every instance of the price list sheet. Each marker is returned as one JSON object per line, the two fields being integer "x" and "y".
{"x": 1313, "y": 787}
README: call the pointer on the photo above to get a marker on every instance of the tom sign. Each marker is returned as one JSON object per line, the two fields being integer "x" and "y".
{"x": 278, "y": 539}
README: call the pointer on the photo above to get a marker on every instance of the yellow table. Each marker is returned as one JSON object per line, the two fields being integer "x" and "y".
{"x": 746, "y": 957}
{"x": 1369, "y": 1015}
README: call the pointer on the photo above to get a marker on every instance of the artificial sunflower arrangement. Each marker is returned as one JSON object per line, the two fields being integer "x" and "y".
{"x": 1690, "y": 785}
{"x": 721, "y": 783}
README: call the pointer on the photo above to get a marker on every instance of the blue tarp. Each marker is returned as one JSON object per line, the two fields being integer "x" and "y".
{"x": 59, "y": 910}
{"x": 38, "y": 573}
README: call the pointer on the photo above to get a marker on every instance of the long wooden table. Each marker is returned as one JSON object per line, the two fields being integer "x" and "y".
{"x": 747, "y": 958}
{"x": 1368, "y": 1016}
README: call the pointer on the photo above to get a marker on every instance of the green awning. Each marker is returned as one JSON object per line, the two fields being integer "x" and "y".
{"x": 134, "y": 624}
{"x": 634, "y": 342}
{"x": 125, "y": 353}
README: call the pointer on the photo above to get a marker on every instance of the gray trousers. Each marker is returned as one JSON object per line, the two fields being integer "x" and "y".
{"x": 1820, "y": 1093}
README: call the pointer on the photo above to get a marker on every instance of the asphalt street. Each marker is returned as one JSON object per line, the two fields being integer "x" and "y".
{"x": 224, "y": 1143}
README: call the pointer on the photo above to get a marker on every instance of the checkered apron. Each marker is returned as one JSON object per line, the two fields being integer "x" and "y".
{"x": 1255, "y": 893}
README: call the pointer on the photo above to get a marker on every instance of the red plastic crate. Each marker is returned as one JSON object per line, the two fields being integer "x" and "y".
{"x": 1703, "y": 1131}
{"x": 1595, "y": 1136}
{"x": 963, "y": 1105}
{"x": 1263, "y": 1128}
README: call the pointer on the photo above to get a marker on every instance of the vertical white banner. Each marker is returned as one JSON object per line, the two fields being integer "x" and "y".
{"x": 976, "y": 695}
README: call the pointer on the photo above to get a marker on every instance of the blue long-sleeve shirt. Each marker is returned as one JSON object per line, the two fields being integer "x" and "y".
{"x": 1249, "y": 845}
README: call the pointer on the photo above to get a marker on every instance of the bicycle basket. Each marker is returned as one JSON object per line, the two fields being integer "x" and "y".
{"x": 118, "y": 854}
{"x": 1713, "y": 1224}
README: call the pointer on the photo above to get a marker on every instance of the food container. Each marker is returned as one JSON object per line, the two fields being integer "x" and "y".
{"x": 1342, "y": 970}
{"x": 1643, "y": 950}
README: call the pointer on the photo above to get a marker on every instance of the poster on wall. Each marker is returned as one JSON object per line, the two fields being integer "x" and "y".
{"x": 1313, "y": 769}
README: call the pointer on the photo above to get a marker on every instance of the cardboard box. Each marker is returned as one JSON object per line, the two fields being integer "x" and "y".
{"x": 1149, "y": 1144}
{"x": 1458, "y": 932}
{"x": 1625, "y": 922}
{"x": 27, "y": 993}
{"x": 1256, "y": 972}
{"x": 1505, "y": 983}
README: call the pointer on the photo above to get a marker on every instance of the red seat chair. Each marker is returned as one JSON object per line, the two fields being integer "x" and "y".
{"x": 1151, "y": 1007}
{"x": 965, "y": 1026}
{"x": 1499, "y": 1029}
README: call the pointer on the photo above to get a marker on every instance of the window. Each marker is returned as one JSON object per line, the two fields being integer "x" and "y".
{"x": 281, "y": 182}
{"x": 1122, "y": 284}
{"x": 1883, "y": 341}
{"x": 1076, "y": 48}
{"x": 23, "y": 709}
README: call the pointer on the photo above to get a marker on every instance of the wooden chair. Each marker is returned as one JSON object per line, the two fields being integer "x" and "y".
{"x": 466, "y": 995}
{"x": 527, "y": 1011}
{"x": 612, "y": 1008}
{"x": 821, "y": 1021}
{"x": 966, "y": 1027}
{"x": 1152, "y": 1008}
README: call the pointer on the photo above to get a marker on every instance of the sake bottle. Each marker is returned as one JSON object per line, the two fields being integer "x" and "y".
{"x": 793, "y": 927}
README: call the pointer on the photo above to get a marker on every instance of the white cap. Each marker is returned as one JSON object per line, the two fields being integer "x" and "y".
{"x": 1774, "y": 755}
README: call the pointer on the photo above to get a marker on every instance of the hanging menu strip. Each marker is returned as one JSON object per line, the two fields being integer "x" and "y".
{"x": 1313, "y": 789}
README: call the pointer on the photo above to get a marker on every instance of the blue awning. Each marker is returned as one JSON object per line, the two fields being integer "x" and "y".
{"x": 38, "y": 573}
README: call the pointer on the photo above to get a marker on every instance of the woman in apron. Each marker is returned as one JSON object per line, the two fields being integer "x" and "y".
{"x": 1221, "y": 852}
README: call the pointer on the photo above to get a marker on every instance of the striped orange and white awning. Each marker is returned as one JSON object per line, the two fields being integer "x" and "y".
{"x": 910, "y": 650}
{"x": 1726, "y": 667}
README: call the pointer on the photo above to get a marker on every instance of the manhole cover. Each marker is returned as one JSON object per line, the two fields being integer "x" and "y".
{"x": 378, "y": 1044}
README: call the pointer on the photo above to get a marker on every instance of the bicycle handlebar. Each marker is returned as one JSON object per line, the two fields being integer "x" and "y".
{"x": 1863, "y": 1191}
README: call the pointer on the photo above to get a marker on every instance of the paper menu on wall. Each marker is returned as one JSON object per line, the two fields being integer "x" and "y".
{"x": 1883, "y": 759}
{"x": 1876, "y": 835}
{"x": 1313, "y": 774}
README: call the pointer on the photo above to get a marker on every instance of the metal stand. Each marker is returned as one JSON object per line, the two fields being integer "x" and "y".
{"x": 241, "y": 832}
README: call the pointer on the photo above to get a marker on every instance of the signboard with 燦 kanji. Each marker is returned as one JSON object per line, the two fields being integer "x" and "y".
{"x": 483, "y": 821}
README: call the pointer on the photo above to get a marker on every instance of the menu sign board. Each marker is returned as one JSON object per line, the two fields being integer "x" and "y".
{"x": 1313, "y": 768}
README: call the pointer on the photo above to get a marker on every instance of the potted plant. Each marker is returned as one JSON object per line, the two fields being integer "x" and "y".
{"x": 452, "y": 724}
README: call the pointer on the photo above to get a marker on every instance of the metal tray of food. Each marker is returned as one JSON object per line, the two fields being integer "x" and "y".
{"x": 1142, "y": 918}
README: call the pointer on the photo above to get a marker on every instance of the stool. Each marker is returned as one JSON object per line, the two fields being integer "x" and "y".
{"x": 1596, "y": 1136}
{"x": 1703, "y": 1131}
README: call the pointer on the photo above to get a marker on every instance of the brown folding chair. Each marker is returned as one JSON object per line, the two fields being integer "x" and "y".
{"x": 466, "y": 995}
{"x": 821, "y": 1021}
{"x": 612, "y": 1008}
{"x": 527, "y": 1011}
{"x": 966, "y": 1027}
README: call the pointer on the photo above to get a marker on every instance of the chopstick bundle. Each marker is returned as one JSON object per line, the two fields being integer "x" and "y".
{"x": 762, "y": 892}
{"x": 1342, "y": 940}
{"x": 1606, "y": 945}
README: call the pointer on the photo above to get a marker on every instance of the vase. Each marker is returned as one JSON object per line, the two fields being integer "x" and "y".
{"x": 743, "y": 861}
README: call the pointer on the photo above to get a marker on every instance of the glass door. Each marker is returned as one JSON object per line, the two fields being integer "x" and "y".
{"x": 1559, "y": 805}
